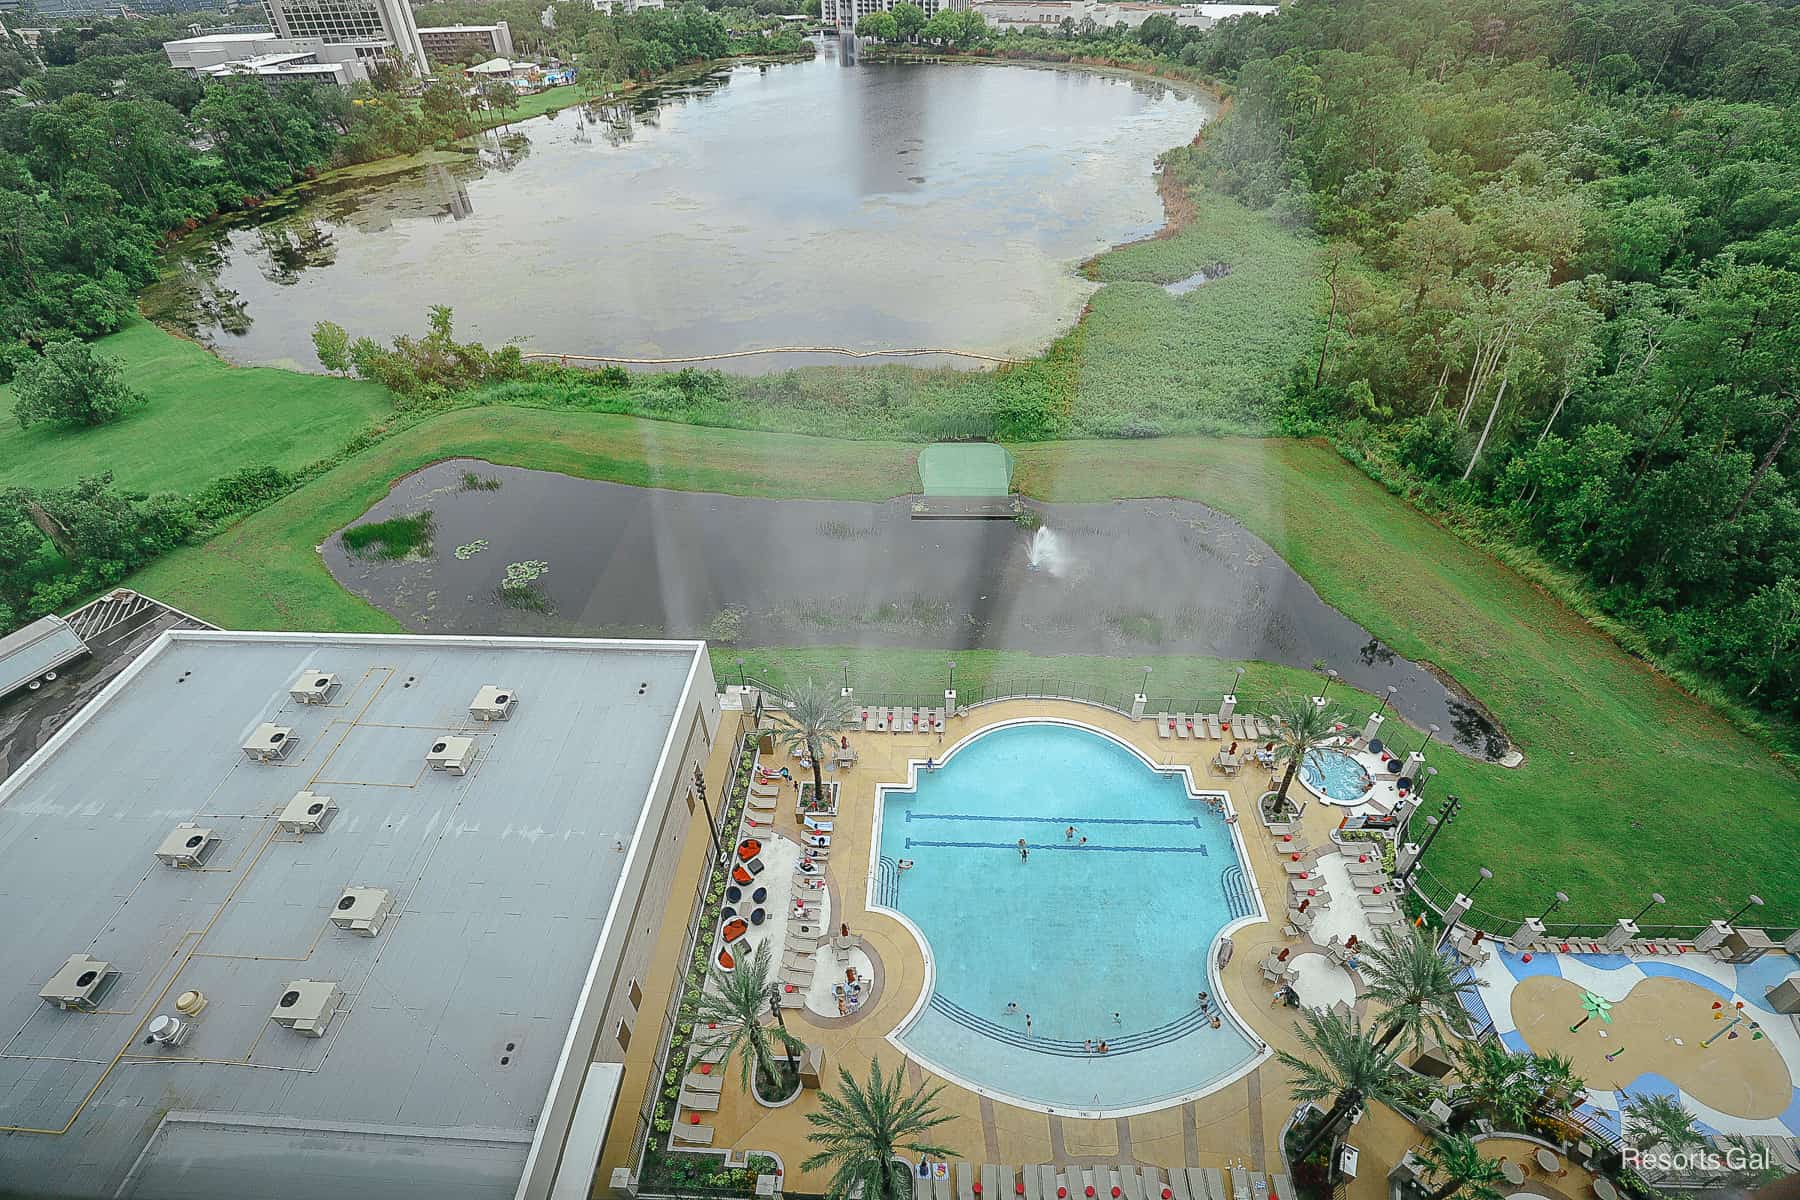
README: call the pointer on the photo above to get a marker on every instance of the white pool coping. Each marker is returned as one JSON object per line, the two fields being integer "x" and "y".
{"x": 1260, "y": 915}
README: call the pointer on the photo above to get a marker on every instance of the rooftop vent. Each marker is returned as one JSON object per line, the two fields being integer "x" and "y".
{"x": 77, "y": 986}
{"x": 363, "y": 910}
{"x": 314, "y": 687}
{"x": 188, "y": 846}
{"x": 166, "y": 1032}
{"x": 269, "y": 742}
{"x": 307, "y": 812}
{"x": 453, "y": 754}
{"x": 307, "y": 1006}
{"x": 493, "y": 703}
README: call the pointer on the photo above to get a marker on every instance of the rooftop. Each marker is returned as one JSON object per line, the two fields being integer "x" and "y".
{"x": 423, "y": 29}
{"x": 429, "y": 1079}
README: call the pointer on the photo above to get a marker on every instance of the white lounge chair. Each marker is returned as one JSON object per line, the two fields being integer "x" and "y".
{"x": 1165, "y": 728}
{"x": 700, "y": 1101}
{"x": 1181, "y": 726}
{"x": 696, "y": 1082}
{"x": 694, "y": 1135}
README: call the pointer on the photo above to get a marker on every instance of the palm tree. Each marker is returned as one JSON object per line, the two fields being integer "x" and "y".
{"x": 736, "y": 1003}
{"x": 1349, "y": 1067}
{"x": 1556, "y": 1077}
{"x": 1464, "y": 1170}
{"x": 1661, "y": 1121}
{"x": 862, "y": 1129}
{"x": 1419, "y": 988}
{"x": 1300, "y": 728}
{"x": 1497, "y": 1081}
{"x": 811, "y": 718}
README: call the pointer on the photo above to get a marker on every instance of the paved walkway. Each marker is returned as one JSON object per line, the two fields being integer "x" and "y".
{"x": 1237, "y": 1125}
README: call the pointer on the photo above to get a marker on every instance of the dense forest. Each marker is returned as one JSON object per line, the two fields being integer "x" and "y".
{"x": 1563, "y": 280}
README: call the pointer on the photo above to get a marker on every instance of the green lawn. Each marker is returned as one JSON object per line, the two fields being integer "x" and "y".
{"x": 204, "y": 419}
{"x": 1629, "y": 784}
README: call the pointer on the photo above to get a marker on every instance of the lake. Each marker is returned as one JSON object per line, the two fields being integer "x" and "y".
{"x": 1126, "y": 578}
{"x": 872, "y": 207}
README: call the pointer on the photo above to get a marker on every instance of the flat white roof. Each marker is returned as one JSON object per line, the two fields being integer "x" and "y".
{"x": 430, "y": 1081}
{"x": 423, "y": 29}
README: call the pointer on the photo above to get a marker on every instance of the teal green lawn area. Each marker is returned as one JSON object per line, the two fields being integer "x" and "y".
{"x": 1629, "y": 785}
{"x": 204, "y": 419}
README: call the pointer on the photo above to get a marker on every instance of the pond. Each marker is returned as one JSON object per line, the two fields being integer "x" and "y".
{"x": 1129, "y": 577}
{"x": 873, "y": 207}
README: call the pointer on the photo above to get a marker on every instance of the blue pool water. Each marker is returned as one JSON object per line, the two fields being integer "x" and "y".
{"x": 1336, "y": 774}
{"x": 1105, "y": 941}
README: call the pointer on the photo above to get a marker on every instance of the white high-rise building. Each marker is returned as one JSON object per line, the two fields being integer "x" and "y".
{"x": 846, "y": 13}
{"x": 358, "y": 22}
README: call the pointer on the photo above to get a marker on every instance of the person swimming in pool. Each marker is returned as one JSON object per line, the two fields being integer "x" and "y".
{"x": 1103, "y": 1047}
{"x": 1024, "y": 854}
{"x": 1069, "y": 834}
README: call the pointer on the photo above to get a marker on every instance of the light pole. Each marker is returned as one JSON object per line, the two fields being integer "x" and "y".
{"x": 1431, "y": 731}
{"x": 1485, "y": 876}
{"x": 1446, "y": 814}
{"x": 1144, "y": 689}
{"x": 1753, "y": 902}
{"x": 742, "y": 682}
{"x": 846, "y": 665}
{"x": 1560, "y": 899}
{"x": 953, "y": 675}
{"x": 1429, "y": 774}
{"x": 1656, "y": 898}
{"x": 1387, "y": 699}
{"x": 1330, "y": 675}
{"x": 1236, "y": 680}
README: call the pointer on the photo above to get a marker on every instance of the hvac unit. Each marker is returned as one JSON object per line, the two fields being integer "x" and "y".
{"x": 188, "y": 846}
{"x": 363, "y": 910}
{"x": 269, "y": 742}
{"x": 307, "y": 812}
{"x": 166, "y": 1032}
{"x": 307, "y": 1006}
{"x": 314, "y": 687}
{"x": 453, "y": 754}
{"x": 77, "y": 986}
{"x": 493, "y": 703}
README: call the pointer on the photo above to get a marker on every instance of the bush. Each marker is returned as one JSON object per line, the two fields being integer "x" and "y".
{"x": 71, "y": 385}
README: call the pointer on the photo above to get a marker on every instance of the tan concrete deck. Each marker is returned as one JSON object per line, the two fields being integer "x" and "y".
{"x": 1239, "y": 1124}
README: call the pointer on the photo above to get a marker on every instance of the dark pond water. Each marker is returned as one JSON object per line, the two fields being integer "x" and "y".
{"x": 1124, "y": 578}
{"x": 811, "y": 204}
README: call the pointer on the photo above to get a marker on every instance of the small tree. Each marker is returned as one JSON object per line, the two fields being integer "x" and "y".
{"x": 1300, "y": 728}
{"x": 1420, "y": 989}
{"x": 863, "y": 1129}
{"x": 71, "y": 385}
{"x": 1660, "y": 1121}
{"x": 332, "y": 344}
{"x": 909, "y": 18}
{"x": 810, "y": 718}
{"x": 737, "y": 1003}
{"x": 1498, "y": 1082}
{"x": 1345, "y": 1064}
{"x": 1460, "y": 1169}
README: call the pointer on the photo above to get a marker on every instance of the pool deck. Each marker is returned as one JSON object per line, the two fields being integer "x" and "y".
{"x": 1239, "y": 1124}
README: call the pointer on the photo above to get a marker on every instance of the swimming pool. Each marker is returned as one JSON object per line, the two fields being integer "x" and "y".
{"x": 1104, "y": 939}
{"x": 1334, "y": 774}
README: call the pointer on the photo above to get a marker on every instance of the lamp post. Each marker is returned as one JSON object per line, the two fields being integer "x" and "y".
{"x": 1753, "y": 902}
{"x": 1560, "y": 899}
{"x": 1144, "y": 688}
{"x": 1424, "y": 778}
{"x": 742, "y": 682}
{"x": 1485, "y": 876}
{"x": 953, "y": 675}
{"x": 1330, "y": 675}
{"x": 1387, "y": 699}
{"x": 846, "y": 665}
{"x": 1446, "y": 814}
{"x": 1237, "y": 679}
{"x": 1431, "y": 731}
{"x": 1656, "y": 898}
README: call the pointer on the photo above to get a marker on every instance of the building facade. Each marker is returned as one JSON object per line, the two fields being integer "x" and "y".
{"x": 274, "y": 59}
{"x": 352, "y": 22}
{"x": 444, "y": 43}
{"x": 844, "y": 14}
{"x": 609, "y": 7}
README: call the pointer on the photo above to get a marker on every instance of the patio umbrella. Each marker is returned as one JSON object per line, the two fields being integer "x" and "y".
{"x": 1595, "y": 1006}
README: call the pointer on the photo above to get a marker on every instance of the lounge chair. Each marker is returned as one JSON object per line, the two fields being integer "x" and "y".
{"x": 903, "y": 721}
{"x": 940, "y": 1186}
{"x": 818, "y": 824}
{"x": 1178, "y": 1183}
{"x": 1362, "y": 870}
{"x": 965, "y": 1181}
{"x": 793, "y": 999}
{"x": 868, "y": 720}
{"x": 1182, "y": 724}
{"x": 1153, "y": 1184}
{"x": 1240, "y": 1184}
{"x": 1215, "y": 1183}
{"x": 938, "y": 716}
{"x": 1281, "y": 1187}
{"x": 990, "y": 1182}
{"x": 700, "y": 1101}
{"x": 881, "y": 720}
{"x": 764, "y": 789}
{"x": 710, "y": 1054}
{"x": 1383, "y": 916}
{"x": 1303, "y": 867}
{"x": 1132, "y": 1182}
{"x": 792, "y": 960}
{"x": 754, "y": 820}
{"x": 694, "y": 1135}
{"x": 1046, "y": 1181}
{"x": 1213, "y": 730}
{"x": 1165, "y": 729}
{"x": 1033, "y": 1180}
{"x": 1374, "y": 902}
{"x": 696, "y": 1082}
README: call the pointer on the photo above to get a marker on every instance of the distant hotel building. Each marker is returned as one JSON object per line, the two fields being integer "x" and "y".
{"x": 1050, "y": 14}
{"x": 350, "y": 22}
{"x": 846, "y": 13}
{"x": 626, "y": 6}
{"x": 272, "y": 59}
{"x": 445, "y": 42}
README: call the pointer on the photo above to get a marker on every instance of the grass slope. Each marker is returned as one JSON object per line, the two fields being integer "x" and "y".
{"x": 1630, "y": 784}
{"x": 204, "y": 419}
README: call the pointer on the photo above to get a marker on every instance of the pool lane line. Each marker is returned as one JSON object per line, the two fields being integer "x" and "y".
{"x": 1200, "y": 850}
{"x": 1185, "y": 822}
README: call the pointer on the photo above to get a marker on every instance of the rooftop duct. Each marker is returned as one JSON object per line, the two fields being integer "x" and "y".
{"x": 307, "y": 812}
{"x": 269, "y": 742}
{"x": 187, "y": 846}
{"x": 77, "y": 986}
{"x": 314, "y": 687}
{"x": 363, "y": 910}
{"x": 307, "y": 1006}
{"x": 453, "y": 754}
{"x": 493, "y": 703}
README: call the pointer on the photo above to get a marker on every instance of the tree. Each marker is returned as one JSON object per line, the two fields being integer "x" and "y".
{"x": 1344, "y": 1065}
{"x": 332, "y": 344}
{"x": 737, "y": 1001}
{"x": 1300, "y": 727}
{"x": 1463, "y": 1170}
{"x": 810, "y": 718}
{"x": 880, "y": 26}
{"x": 1420, "y": 990}
{"x": 1498, "y": 1082}
{"x": 1655, "y": 1120}
{"x": 71, "y": 385}
{"x": 863, "y": 1128}
{"x": 909, "y": 18}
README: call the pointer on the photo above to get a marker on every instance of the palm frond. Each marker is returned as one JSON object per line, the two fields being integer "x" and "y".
{"x": 1421, "y": 990}
{"x": 861, "y": 1129}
